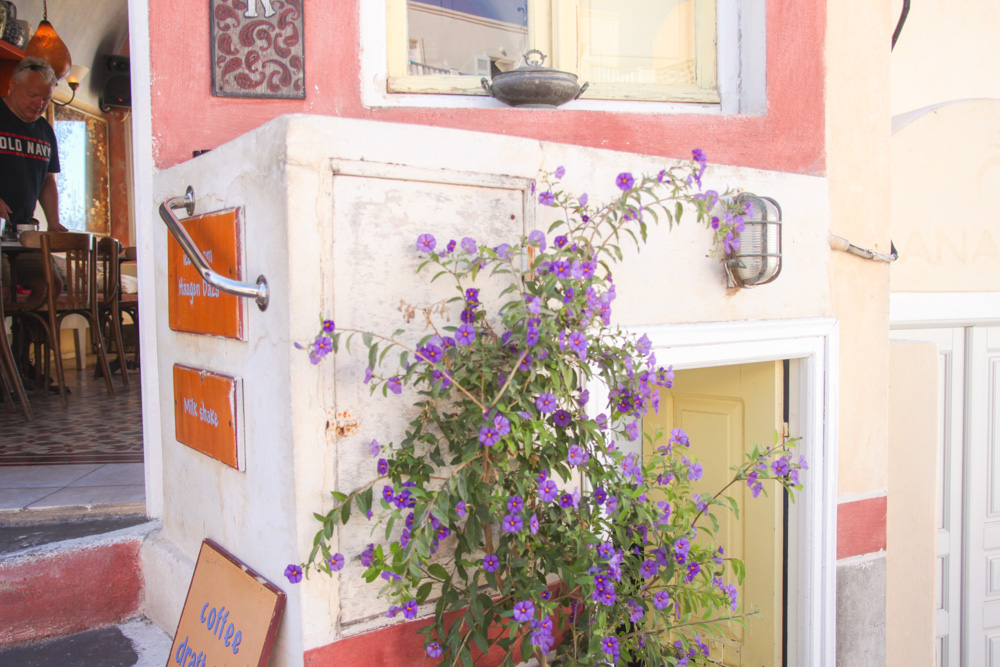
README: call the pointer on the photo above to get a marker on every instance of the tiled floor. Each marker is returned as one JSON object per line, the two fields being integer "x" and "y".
{"x": 116, "y": 486}
{"x": 93, "y": 422}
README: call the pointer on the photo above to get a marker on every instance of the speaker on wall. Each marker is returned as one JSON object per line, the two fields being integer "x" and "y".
{"x": 117, "y": 83}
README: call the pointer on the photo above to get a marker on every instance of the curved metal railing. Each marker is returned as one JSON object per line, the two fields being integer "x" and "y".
{"x": 259, "y": 292}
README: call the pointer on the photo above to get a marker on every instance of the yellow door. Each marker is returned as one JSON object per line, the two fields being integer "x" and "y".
{"x": 725, "y": 410}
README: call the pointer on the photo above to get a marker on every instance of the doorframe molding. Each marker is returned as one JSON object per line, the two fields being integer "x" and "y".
{"x": 813, "y": 347}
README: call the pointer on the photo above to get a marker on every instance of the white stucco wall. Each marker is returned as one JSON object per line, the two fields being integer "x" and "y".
{"x": 333, "y": 208}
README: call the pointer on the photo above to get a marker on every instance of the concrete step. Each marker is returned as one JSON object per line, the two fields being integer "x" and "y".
{"x": 135, "y": 643}
{"x": 64, "y": 577}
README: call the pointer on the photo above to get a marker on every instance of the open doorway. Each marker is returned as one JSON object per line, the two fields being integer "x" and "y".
{"x": 88, "y": 456}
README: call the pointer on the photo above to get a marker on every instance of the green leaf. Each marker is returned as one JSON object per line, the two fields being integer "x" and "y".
{"x": 366, "y": 338}
{"x": 373, "y": 356}
{"x": 481, "y": 643}
{"x": 338, "y": 496}
{"x": 437, "y": 570}
{"x": 345, "y": 512}
{"x": 423, "y": 592}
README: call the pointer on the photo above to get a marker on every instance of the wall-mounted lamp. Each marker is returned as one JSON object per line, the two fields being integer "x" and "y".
{"x": 757, "y": 261}
{"x": 73, "y": 79}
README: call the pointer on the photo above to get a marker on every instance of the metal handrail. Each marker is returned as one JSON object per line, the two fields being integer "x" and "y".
{"x": 259, "y": 292}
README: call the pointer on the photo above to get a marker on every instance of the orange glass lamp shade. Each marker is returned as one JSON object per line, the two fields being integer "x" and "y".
{"x": 47, "y": 45}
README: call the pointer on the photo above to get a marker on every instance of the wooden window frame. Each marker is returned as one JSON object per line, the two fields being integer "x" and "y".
{"x": 544, "y": 17}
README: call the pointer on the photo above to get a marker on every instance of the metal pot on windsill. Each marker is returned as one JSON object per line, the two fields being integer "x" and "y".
{"x": 534, "y": 86}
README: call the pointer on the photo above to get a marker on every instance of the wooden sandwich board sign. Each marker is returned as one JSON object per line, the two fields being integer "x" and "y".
{"x": 195, "y": 306}
{"x": 208, "y": 415}
{"x": 230, "y": 616}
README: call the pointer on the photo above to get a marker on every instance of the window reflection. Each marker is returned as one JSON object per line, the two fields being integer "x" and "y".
{"x": 83, "y": 179}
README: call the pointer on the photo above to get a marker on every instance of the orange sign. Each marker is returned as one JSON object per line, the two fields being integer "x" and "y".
{"x": 196, "y": 306}
{"x": 207, "y": 410}
{"x": 230, "y": 616}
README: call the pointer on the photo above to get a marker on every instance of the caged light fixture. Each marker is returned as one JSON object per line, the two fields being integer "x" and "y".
{"x": 757, "y": 260}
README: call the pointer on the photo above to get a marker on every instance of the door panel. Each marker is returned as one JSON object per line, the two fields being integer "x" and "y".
{"x": 725, "y": 410}
{"x": 951, "y": 407}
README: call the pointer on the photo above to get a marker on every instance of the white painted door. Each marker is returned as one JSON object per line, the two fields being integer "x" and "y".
{"x": 951, "y": 408}
{"x": 968, "y": 548}
{"x": 982, "y": 576}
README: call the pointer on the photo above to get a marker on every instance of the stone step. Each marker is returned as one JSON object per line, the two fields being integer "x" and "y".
{"x": 65, "y": 577}
{"x": 135, "y": 643}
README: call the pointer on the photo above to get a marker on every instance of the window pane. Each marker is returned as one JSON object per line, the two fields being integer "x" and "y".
{"x": 640, "y": 41}
{"x": 71, "y": 180}
{"x": 466, "y": 37}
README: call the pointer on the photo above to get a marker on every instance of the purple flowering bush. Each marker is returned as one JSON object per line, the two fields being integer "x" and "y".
{"x": 550, "y": 537}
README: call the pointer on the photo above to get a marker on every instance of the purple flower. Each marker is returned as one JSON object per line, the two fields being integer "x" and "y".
{"x": 387, "y": 493}
{"x": 450, "y": 248}
{"x": 578, "y": 343}
{"x": 491, "y": 563}
{"x": 383, "y": 467}
{"x": 430, "y": 353}
{"x": 602, "y": 421}
{"x": 611, "y": 506}
{"x": 696, "y": 472}
{"x": 803, "y": 463}
{"x": 489, "y": 436}
{"x": 531, "y": 337}
{"x": 756, "y": 489}
{"x": 368, "y": 374}
{"x": 547, "y": 490}
{"x": 546, "y": 198}
{"x": 513, "y": 523}
{"x": 643, "y": 345}
{"x": 322, "y": 346}
{"x": 567, "y": 500}
{"x": 368, "y": 556}
{"x": 404, "y": 538}
{"x": 460, "y": 509}
{"x": 388, "y": 575}
{"x": 426, "y": 243}
{"x": 624, "y": 181}
{"x": 560, "y": 172}
{"x": 537, "y": 238}
{"x": 545, "y": 403}
{"x": 375, "y": 447}
{"x": 533, "y": 304}
{"x": 730, "y": 243}
{"x": 693, "y": 569}
{"x": 780, "y": 467}
{"x": 328, "y": 326}
{"x": 577, "y": 455}
{"x": 699, "y": 156}
{"x": 502, "y": 424}
{"x": 472, "y": 296}
{"x": 681, "y": 548}
{"x": 661, "y": 599}
{"x": 605, "y": 550}
{"x": 533, "y": 524}
{"x": 469, "y": 245}
{"x": 515, "y": 504}
{"x": 392, "y": 611}
{"x": 523, "y": 611}
{"x": 336, "y": 562}
{"x": 465, "y": 335}
{"x": 562, "y": 418}
{"x": 632, "y": 430}
{"x": 648, "y": 569}
{"x": 610, "y": 646}
{"x": 636, "y": 612}
{"x": 583, "y": 199}
{"x": 680, "y": 437}
{"x": 293, "y": 573}
{"x": 560, "y": 241}
{"x": 394, "y": 385}
{"x": 434, "y": 650}
{"x": 410, "y": 609}
{"x": 502, "y": 250}
{"x": 600, "y": 495}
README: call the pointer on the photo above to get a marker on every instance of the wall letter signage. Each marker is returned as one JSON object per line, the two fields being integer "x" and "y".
{"x": 257, "y": 48}
{"x": 230, "y": 616}
{"x": 196, "y": 306}
{"x": 207, "y": 417}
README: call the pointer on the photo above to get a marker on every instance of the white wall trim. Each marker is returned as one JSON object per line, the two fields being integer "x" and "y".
{"x": 142, "y": 184}
{"x": 915, "y": 310}
{"x": 813, "y": 347}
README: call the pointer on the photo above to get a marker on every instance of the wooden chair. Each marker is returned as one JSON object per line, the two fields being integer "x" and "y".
{"x": 80, "y": 297}
{"x": 10, "y": 379}
{"x": 129, "y": 303}
{"x": 108, "y": 311}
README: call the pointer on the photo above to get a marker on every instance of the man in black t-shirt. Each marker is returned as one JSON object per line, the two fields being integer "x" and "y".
{"x": 29, "y": 162}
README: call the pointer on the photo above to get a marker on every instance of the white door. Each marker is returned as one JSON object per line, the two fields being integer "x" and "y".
{"x": 982, "y": 576}
{"x": 968, "y": 547}
{"x": 951, "y": 408}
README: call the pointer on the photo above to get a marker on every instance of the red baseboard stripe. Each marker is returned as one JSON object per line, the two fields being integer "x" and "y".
{"x": 861, "y": 527}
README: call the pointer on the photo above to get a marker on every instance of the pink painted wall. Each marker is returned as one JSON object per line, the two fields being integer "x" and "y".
{"x": 789, "y": 137}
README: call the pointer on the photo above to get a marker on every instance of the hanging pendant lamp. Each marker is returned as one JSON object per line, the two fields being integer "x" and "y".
{"x": 47, "y": 45}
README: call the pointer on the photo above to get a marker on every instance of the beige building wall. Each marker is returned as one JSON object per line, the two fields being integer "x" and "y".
{"x": 911, "y": 522}
{"x": 947, "y": 50}
{"x": 857, "y": 140}
{"x": 945, "y": 176}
